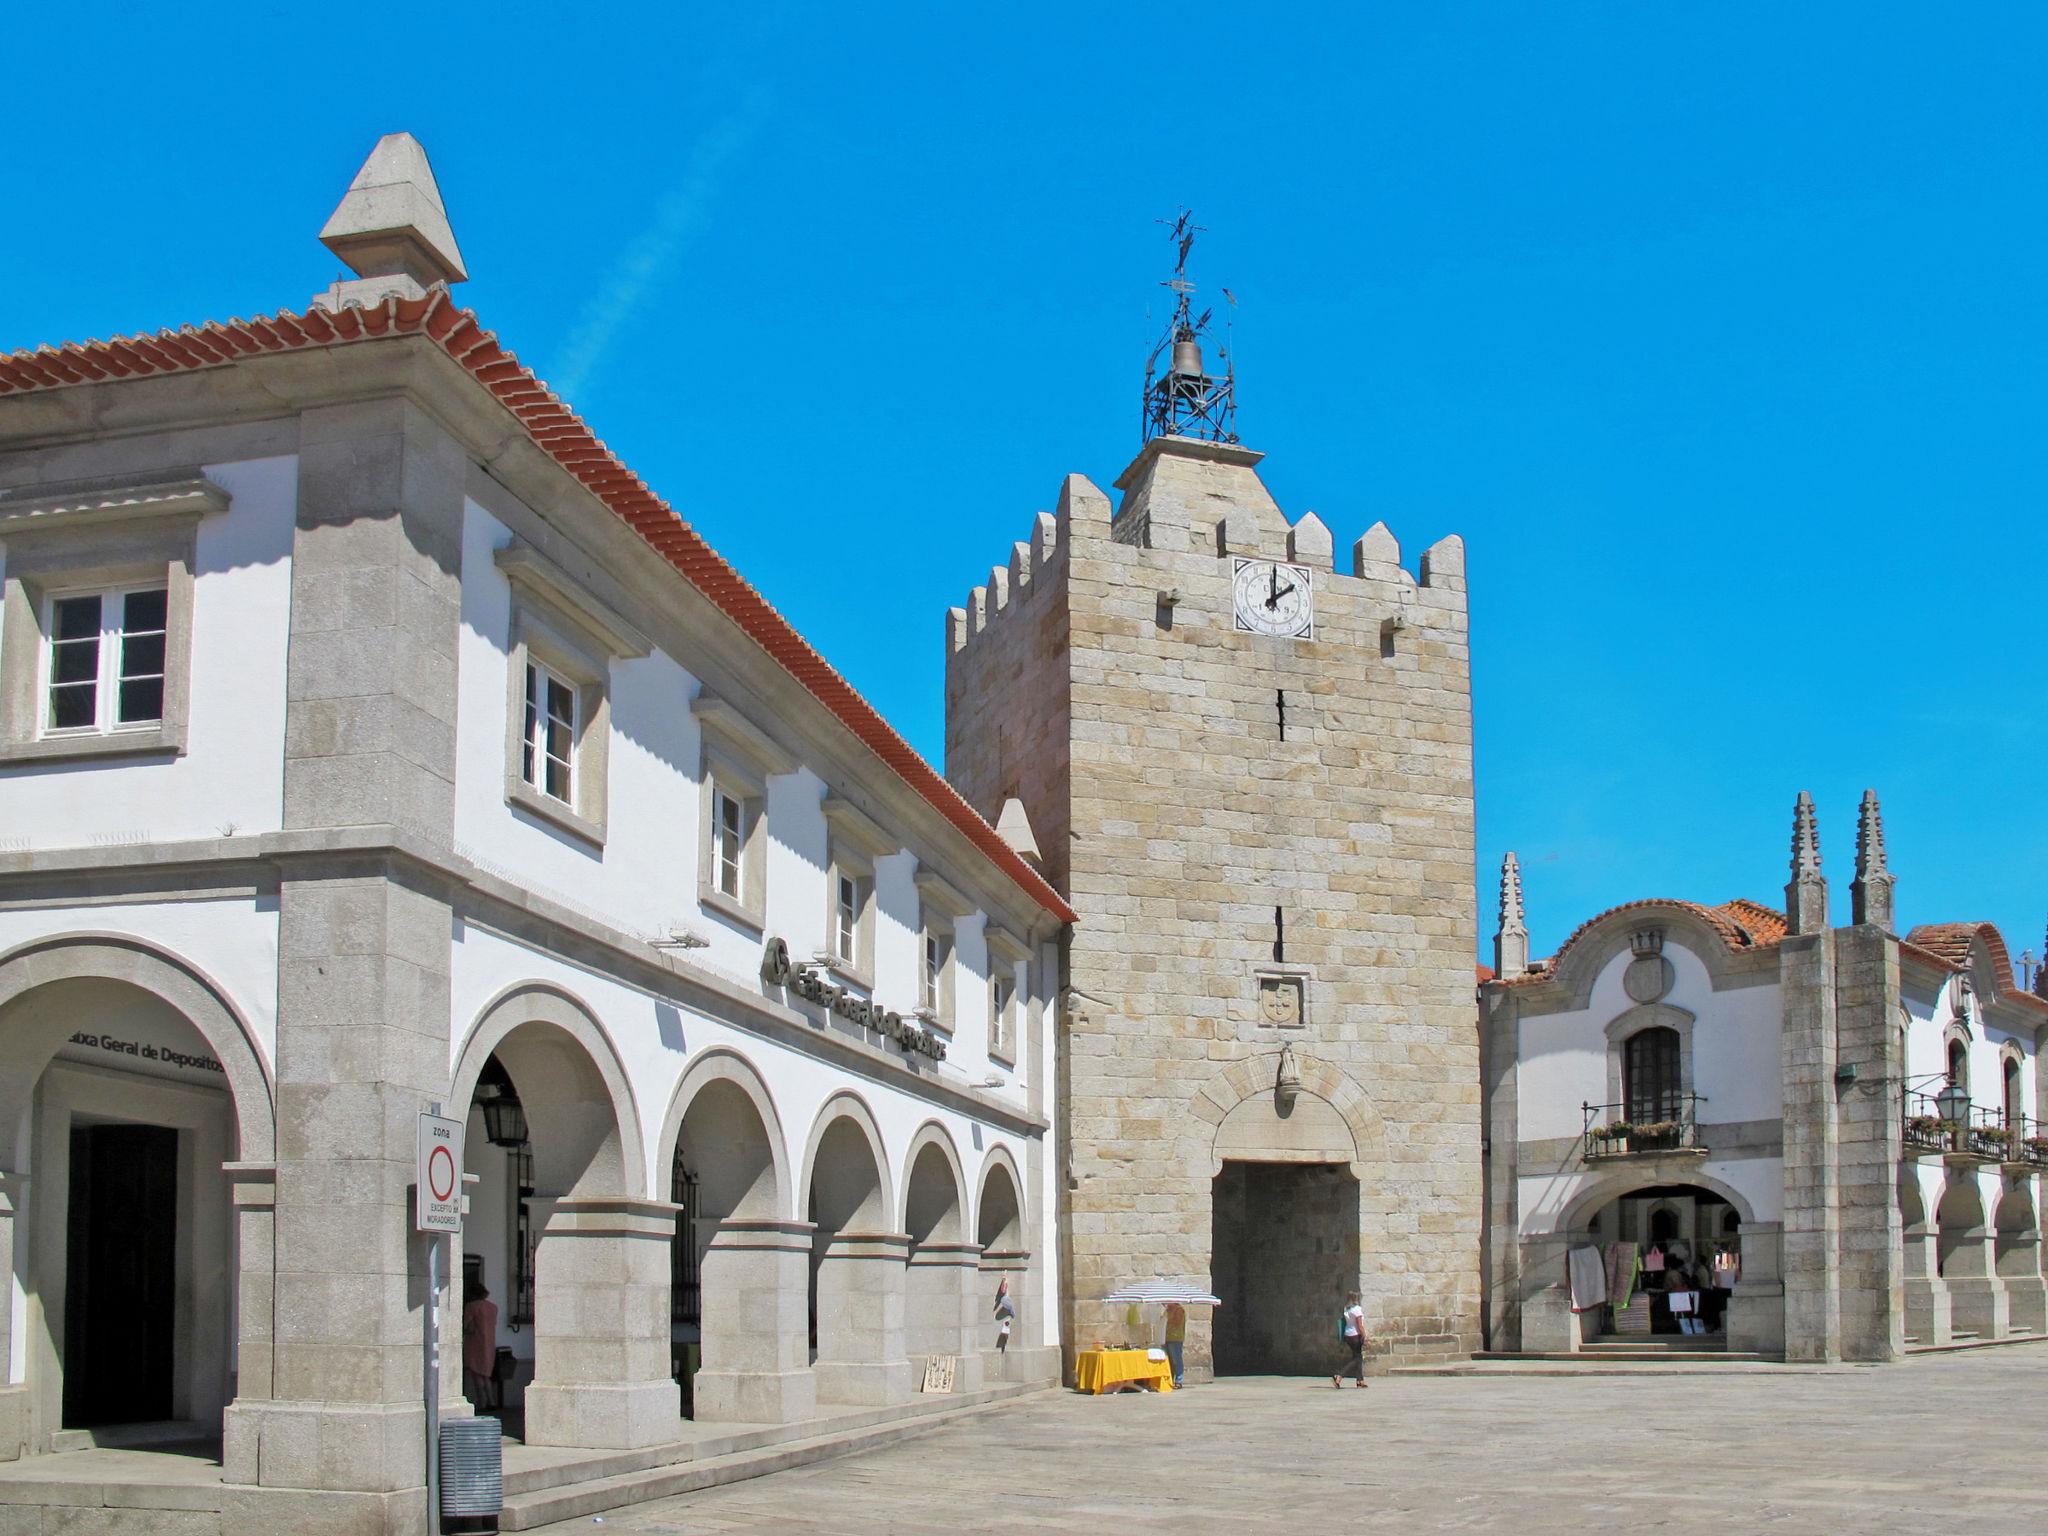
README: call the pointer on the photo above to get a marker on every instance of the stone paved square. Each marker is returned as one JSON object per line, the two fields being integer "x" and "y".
{"x": 1941, "y": 1442}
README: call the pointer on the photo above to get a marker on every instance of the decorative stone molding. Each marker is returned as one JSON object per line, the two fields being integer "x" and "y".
{"x": 1253, "y": 1077}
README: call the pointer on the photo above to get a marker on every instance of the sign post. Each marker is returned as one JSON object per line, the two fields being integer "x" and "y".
{"x": 437, "y": 1208}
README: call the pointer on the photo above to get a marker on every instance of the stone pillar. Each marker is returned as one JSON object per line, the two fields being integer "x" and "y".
{"x": 2019, "y": 1271}
{"x": 756, "y": 1281}
{"x": 14, "y": 1395}
{"x": 943, "y": 1297}
{"x": 1927, "y": 1308}
{"x": 1014, "y": 1363}
{"x": 1756, "y": 1307}
{"x": 363, "y": 975}
{"x": 1976, "y": 1299}
{"x": 1868, "y": 1242}
{"x": 1549, "y": 1325}
{"x": 601, "y": 1325}
{"x": 254, "y": 1187}
{"x": 860, "y": 1320}
{"x": 1813, "y": 1320}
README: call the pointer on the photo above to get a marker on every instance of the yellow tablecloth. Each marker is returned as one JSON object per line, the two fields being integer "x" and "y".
{"x": 1102, "y": 1370}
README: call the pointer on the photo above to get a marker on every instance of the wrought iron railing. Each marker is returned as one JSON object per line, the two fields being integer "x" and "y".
{"x": 2031, "y": 1145}
{"x": 1670, "y": 1124}
{"x": 1980, "y": 1131}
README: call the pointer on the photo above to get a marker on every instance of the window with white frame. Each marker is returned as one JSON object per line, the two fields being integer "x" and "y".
{"x": 1001, "y": 999}
{"x": 548, "y": 753}
{"x": 847, "y": 902}
{"x": 729, "y": 827}
{"x": 733, "y": 810}
{"x": 106, "y": 660}
{"x": 931, "y": 971}
{"x": 849, "y": 914}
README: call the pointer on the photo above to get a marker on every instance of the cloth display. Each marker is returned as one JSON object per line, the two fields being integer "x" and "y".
{"x": 1586, "y": 1273}
{"x": 1104, "y": 1370}
{"x": 1623, "y": 1266}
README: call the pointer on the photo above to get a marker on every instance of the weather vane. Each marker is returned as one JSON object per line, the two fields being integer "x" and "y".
{"x": 1186, "y": 400}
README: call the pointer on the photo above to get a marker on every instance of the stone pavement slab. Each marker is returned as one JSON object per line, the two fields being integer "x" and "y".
{"x": 1948, "y": 1442}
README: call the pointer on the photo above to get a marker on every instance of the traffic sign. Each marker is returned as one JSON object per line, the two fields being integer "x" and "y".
{"x": 437, "y": 1206}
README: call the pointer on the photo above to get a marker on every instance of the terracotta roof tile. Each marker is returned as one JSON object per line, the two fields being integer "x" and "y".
{"x": 563, "y": 435}
{"x": 1742, "y": 925}
{"x": 1949, "y": 945}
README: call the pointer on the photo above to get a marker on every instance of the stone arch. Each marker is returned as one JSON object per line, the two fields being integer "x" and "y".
{"x": 999, "y": 1203}
{"x": 1251, "y": 1079}
{"x": 722, "y": 1102}
{"x": 583, "y": 1121}
{"x": 1626, "y": 1181}
{"x": 855, "y": 1192}
{"x": 31, "y": 1036}
{"x": 1960, "y": 1224}
{"x": 934, "y": 1188}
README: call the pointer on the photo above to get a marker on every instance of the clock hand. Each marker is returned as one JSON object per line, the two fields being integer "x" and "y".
{"x": 1280, "y": 594}
{"x": 1274, "y": 588}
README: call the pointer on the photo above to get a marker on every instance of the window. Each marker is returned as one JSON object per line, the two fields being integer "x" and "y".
{"x": 1650, "y": 1076}
{"x": 2014, "y": 1107}
{"x": 548, "y": 756}
{"x": 928, "y": 977}
{"x": 1000, "y": 993}
{"x": 849, "y": 907}
{"x": 1959, "y": 1064}
{"x": 107, "y": 656}
{"x": 846, "y": 909}
{"x": 729, "y": 844}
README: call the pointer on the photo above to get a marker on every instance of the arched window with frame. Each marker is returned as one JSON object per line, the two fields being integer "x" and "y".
{"x": 2013, "y": 1104}
{"x": 1959, "y": 1064}
{"x": 1651, "y": 1083}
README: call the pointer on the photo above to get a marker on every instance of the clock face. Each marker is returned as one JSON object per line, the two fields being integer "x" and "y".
{"x": 1274, "y": 599}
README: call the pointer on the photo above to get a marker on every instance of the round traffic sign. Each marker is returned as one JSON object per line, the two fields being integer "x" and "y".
{"x": 441, "y": 1173}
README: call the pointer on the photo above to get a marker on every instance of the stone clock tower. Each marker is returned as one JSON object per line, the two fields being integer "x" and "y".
{"x": 1250, "y": 772}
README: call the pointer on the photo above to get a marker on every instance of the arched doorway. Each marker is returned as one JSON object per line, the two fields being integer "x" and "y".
{"x": 560, "y": 1230}
{"x": 942, "y": 1304}
{"x": 130, "y": 1096}
{"x": 1685, "y": 1242}
{"x": 1005, "y": 1262}
{"x": 857, "y": 1286}
{"x": 1965, "y": 1258}
{"x": 746, "y": 1358}
{"x": 2017, "y": 1247}
{"x": 1927, "y": 1310}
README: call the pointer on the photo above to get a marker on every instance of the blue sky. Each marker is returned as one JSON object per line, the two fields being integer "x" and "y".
{"x": 1717, "y": 332}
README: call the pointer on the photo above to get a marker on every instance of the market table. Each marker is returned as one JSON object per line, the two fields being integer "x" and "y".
{"x": 1104, "y": 1370}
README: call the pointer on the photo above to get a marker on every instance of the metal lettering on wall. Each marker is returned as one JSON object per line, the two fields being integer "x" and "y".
{"x": 811, "y": 984}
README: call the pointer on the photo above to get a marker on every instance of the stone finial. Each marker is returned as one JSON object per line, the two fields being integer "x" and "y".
{"x": 392, "y": 228}
{"x": 1871, "y": 893}
{"x": 1511, "y": 940}
{"x": 1377, "y": 554}
{"x": 1013, "y": 826}
{"x": 1806, "y": 895}
{"x": 1308, "y": 542}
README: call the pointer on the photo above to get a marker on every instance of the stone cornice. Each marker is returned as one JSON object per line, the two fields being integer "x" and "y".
{"x": 206, "y": 867}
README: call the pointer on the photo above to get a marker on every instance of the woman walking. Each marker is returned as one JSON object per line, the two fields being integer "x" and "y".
{"x": 1351, "y": 1325}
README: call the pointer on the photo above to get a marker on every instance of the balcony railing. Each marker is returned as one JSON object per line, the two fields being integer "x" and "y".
{"x": 1980, "y": 1134}
{"x": 1670, "y": 1125}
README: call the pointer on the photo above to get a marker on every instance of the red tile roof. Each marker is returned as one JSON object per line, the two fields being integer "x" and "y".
{"x": 1949, "y": 945}
{"x": 561, "y": 433}
{"x": 1742, "y": 924}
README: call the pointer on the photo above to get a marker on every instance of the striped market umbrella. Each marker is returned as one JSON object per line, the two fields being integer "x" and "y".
{"x": 1185, "y": 1292}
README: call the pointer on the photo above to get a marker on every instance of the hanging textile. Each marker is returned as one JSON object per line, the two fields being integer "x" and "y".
{"x": 1587, "y": 1277}
{"x": 1623, "y": 1268}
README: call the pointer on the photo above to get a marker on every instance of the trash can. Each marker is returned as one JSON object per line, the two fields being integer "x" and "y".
{"x": 472, "y": 1474}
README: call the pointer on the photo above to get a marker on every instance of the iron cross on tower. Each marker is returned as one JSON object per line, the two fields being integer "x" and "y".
{"x": 1185, "y": 400}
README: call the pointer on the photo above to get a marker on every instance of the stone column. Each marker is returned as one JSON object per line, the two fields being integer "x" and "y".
{"x": 860, "y": 1320}
{"x": 254, "y": 1188}
{"x": 1016, "y": 1362}
{"x": 601, "y": 1325}
{"x": 1810, "y": 1255}
{"x": 1549, "y": 1325}
{"x": 14, "y": 1395}
{"x": 1756, "y": 1307}
{"x": 1927, "y": 1308}
{"x": 756, "y": 1281}
{"x": 1868, "y": 1252}
{"x": 944, "y": 1310}
{"x": 2019, "y": 1271}
{"x": 1977, "y": 1300}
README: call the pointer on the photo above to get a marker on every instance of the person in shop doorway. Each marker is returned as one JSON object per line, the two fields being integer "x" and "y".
{"x": 479, "y": 1346}
{"x": 1176, "y": 1337}
{"x": 1351, "y": 1329}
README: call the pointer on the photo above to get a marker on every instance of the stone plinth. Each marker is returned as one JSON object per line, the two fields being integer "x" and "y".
{"x": 1756, "y": 1307}
{"x": 943, "y": 1296}
{"x": 861, "y": 1361}
{"x": 601, "y": 1325}
{"x": 1928, "y": 1318}
{"x": 756, "y": 1365}
{"x": 2019, "y": 1271}
{"x": 1977, "y": 1301}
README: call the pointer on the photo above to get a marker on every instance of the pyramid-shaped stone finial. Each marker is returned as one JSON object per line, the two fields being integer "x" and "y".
{"x": 1871, "y": 893}
{"x": 1511, "y": 939}
{"x": 392, "y": 228}
{"x": 1806, "y": 896}
{"x": 1013, "y": 826}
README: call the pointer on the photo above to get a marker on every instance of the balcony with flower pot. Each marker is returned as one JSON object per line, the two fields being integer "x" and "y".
{"x": 1669, "y": 1127}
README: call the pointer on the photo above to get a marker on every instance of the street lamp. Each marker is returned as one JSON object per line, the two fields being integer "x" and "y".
{"x": 504, "y": 1115}
{"x": 1953, "y": 1103}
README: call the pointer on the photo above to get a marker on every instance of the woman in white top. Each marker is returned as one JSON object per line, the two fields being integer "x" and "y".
{"x": 1351, "y": 1324}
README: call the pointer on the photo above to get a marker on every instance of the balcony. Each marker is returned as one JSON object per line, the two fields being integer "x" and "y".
{"x": 1970, "y": 1135}
{"x": 1670, "y": 1127}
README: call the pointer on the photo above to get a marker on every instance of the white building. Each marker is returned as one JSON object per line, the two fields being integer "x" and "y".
{"x": 370, "y": 737}
{"x": 1851, "y": 1119}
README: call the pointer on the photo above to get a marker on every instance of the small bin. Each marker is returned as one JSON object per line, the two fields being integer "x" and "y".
{"x": 472, "y": 1474}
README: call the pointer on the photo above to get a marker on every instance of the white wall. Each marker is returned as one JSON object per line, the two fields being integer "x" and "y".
{"x": 232, "y": 773}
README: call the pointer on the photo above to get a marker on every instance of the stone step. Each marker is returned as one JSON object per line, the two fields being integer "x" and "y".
{"x": 1623, "y": 1353}
{"x": 766, "y": 1450}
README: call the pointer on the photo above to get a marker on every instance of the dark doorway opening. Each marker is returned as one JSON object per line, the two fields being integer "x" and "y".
{"x": 1284, "y": 1251}
{"x": 120, "y": 1284}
